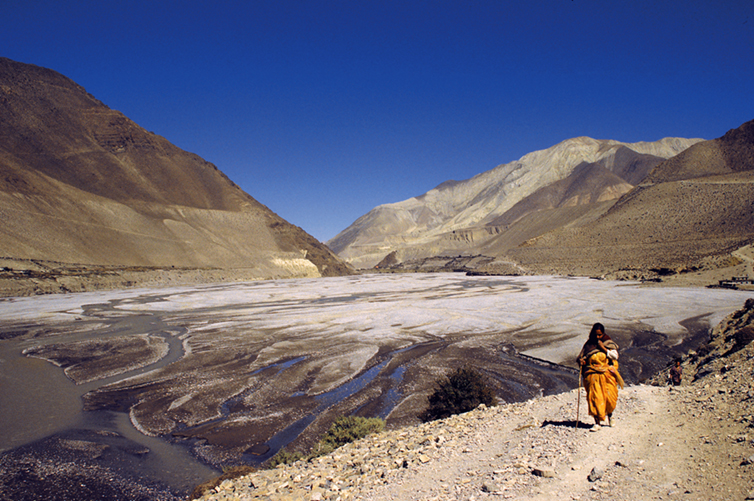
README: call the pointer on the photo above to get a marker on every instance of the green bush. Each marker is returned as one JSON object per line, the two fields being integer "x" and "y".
{"x": 464, "y": 390}
{"x": 285, "y": 457}
{"x": 345, "y": 430}
{"x": 342, "y": 431}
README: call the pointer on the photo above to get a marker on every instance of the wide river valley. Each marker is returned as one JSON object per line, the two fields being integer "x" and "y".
{"x": 162, "y": 388}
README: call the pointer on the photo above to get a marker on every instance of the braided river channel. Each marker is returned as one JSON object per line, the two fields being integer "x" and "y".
{"x": 160, "y": 389}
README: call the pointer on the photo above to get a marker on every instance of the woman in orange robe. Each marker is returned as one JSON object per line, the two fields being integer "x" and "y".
{"x": 600, "y": 373}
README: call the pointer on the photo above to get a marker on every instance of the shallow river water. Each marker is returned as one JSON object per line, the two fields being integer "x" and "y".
{"x": 37, "y": 401}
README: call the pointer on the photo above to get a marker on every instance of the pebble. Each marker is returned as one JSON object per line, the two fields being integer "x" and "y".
{"x": 595, "y": 474}
{"x": 543, "y": 473}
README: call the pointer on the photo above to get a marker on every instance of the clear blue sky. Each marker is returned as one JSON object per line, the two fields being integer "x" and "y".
{"x": 324, "y": 109}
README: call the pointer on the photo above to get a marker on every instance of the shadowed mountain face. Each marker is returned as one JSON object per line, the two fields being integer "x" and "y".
{"x": 570, "y": 184}
{"x": 693, "y": 207}
{"x": 81, "y": 183}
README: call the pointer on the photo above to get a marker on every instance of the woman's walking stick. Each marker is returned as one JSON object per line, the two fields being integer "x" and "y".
{"x": 578, "y": 400}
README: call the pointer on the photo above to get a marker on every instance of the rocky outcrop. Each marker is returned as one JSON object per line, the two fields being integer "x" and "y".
{"x": 720, "y": 354}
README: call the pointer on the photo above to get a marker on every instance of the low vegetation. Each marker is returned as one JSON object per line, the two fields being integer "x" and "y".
{"x": 343, "y": 431}
{"x": 463, "y": 390}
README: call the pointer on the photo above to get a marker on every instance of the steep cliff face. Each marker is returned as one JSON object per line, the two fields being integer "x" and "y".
{"x": 575, "y": 180}
{"x": 81, "y": 183}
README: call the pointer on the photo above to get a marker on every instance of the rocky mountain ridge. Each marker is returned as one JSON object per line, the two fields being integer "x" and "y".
{"x": 425, "y": 225}
{"x": 692, "y": 441}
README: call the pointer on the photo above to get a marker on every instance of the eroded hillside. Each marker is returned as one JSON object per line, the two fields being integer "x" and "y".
{"x": 593, "y": 208}
{"x": 691, "y": 210}
{"x": 82, "y": 187}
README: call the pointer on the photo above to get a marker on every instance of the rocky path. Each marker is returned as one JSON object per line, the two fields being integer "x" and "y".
{"x": 692, "y": 442}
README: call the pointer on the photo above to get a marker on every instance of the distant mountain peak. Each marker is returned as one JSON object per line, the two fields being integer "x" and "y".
{"x": 424, "y": 225}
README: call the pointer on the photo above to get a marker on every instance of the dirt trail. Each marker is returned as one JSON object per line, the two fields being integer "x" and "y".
{"x": 746, "y": 254}
{"x": 662, "y": 446}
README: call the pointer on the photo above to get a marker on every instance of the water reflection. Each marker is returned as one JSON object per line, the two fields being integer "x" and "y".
{"x": 38, "y": 401}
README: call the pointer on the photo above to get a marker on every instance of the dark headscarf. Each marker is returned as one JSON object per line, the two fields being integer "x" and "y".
{"x": 592, "y": 345}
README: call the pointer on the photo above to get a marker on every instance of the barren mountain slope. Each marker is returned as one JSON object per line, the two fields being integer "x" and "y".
{"x": 728, "y": 154}
{"x": 584, "y": 195}
{"x": 81, "y": 184}
{"x": 695, "y": 206}
{"x": 589, "y": 183}
{"x": 445, "y": 218}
